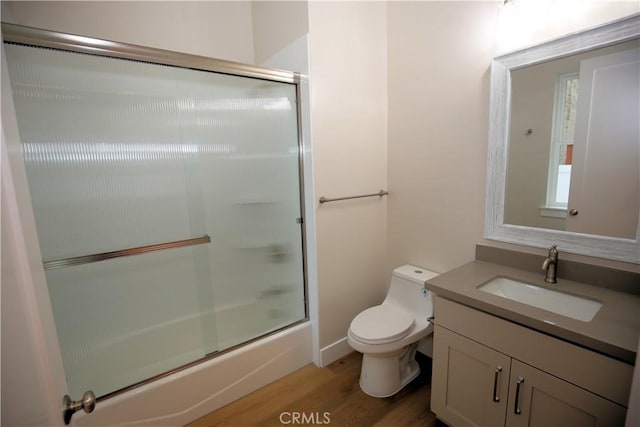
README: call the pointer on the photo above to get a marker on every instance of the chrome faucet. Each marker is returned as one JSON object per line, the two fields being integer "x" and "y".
{"x": 550, "y": 265}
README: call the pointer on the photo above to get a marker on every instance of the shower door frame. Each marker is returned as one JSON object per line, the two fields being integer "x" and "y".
{"x": 88, "y": 45}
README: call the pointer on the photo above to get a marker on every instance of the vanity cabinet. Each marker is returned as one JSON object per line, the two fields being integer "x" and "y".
{"x": 492, "y": 372}
{"x": 539, "y": 399}
{"x": 470, "y": 381}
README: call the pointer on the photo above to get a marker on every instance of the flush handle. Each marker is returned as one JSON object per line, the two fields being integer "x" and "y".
{"x": 70, "y": 407}
{"x": 496, "y": 379}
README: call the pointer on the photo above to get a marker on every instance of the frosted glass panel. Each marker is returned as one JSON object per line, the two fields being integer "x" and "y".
{"x": 123, "y": 154}
{"x": 246, "y": 133}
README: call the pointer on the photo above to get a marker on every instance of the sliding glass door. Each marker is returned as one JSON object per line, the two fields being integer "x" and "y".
{"x": 168, "y": 209}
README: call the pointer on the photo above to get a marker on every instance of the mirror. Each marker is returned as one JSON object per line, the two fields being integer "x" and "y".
{"x": 564, "y": 148}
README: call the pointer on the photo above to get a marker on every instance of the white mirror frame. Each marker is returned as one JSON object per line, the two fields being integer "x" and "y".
{"x": 620, "y": 249}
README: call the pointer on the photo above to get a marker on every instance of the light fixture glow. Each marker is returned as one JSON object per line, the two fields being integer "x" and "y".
{"x": 522, "y": 23}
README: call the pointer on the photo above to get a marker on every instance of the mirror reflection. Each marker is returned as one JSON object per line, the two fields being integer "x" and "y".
{"x": 574, "y": 143}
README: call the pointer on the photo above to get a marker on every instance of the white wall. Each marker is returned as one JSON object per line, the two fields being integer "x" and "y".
{"x": 438, "y": 126}
{"x": 527, "y": 22}
{"x": 276, "y": 25}
{"x": 348, "y": 73}
{"x": 218, "y": 29}
{"x": 437, "y": 110}
{"x": 438, "y": 121}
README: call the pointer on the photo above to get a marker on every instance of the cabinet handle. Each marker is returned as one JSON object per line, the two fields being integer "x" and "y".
{"x": 496, "y": 376}
{"x": 516, "y": 408}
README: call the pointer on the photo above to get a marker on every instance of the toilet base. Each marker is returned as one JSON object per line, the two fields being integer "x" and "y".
{"x": 386, "y": 374}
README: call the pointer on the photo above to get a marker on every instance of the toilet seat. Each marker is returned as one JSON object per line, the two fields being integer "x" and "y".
{"x": 381, "y": 324}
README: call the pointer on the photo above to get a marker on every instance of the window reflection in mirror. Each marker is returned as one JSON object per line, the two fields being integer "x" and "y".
{"x": 562, "y": 136}
{"x": 574, "y": 143}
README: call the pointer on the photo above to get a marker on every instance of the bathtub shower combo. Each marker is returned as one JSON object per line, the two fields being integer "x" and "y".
{"x": 167, "y": 195}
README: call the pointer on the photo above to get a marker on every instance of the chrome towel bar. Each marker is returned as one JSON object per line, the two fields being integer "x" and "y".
{"x": 379, "y": 193}
{"x": 86, "y": 259}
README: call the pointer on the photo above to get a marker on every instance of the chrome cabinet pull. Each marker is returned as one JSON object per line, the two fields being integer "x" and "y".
{"x": 496, "y": 376}
{"x": 516, "y": 407}
{"x": 88, "y": 404}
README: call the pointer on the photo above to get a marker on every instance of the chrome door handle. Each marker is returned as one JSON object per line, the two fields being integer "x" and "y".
{"x": 516, "y": 407}
{"x": 88, "y": 404}
{"x": 573, "y": 212}
{"x": 496, "y": 376}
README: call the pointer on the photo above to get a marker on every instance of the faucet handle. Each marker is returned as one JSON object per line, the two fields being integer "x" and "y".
{"x": 553, "y": 249}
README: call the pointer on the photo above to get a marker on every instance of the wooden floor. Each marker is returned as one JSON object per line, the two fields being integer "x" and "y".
{"x": 311, "y": 392}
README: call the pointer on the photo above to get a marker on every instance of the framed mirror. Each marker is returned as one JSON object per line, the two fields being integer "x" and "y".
{"x": 564, "y": 144}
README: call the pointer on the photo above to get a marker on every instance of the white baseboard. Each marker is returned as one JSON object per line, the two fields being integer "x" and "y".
{"x": 334, "y": 351}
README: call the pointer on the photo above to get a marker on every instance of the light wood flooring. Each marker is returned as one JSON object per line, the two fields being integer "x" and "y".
{"x": 334, "y": 389}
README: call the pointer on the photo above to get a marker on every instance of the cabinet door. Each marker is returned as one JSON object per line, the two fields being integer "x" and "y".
{"x": 539, "y": 399}
{"x": 469, "y": 383}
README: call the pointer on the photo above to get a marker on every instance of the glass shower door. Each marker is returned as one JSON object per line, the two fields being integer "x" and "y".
{"x": 246, "y": 135}
{"x": 123, "y": 155}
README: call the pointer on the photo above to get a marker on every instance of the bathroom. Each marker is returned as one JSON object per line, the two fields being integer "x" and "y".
{"x": 398, "y": 100}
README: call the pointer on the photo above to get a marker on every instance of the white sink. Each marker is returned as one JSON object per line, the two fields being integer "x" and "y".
{"x": 575, "y": 307}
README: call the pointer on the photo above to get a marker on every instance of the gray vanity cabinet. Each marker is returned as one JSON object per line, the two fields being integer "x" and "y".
{"x": 544, "y": 400}
{"x": 480, "y": 379}
{"x": 469, "y": 381}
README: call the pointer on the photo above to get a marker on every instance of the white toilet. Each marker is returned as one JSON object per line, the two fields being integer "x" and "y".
{"x": 388, "y": 334}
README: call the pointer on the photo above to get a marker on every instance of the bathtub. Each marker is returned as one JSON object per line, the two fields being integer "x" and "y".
{"x": 191, "y": 393}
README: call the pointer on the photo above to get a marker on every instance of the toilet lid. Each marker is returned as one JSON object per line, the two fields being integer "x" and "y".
{"x": 381, "y": 324}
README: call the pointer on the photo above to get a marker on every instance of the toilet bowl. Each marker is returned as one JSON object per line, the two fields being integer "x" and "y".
{"x": 388, "y": 334}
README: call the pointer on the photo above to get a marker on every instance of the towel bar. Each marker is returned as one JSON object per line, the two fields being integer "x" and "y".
{"x": 379, "y": 193}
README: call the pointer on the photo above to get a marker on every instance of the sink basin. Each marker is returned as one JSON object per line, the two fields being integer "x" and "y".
{"x": 575, "y": 307}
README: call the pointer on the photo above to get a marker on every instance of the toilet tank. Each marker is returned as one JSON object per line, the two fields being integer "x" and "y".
{"x": 407, "y": 290}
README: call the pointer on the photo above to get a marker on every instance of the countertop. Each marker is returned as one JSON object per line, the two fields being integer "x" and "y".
{"x": 614, "y": 330}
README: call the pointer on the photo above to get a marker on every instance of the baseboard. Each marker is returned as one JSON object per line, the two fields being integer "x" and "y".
{"x": 334, "y": 351}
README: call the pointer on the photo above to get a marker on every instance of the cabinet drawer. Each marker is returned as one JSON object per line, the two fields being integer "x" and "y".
{"x": 595, "y": 372}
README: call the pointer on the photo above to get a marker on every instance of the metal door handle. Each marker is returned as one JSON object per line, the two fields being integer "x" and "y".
{"x": 496, "y": 376}
{"x": 573, "y": 212}
{"x": 70, "y": 407}
{"x": 516, "y": 408}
